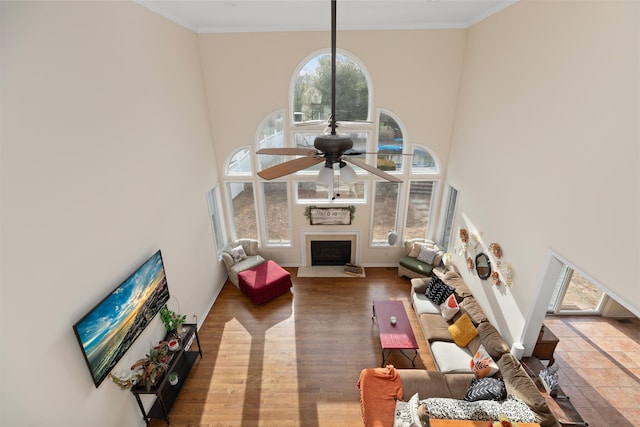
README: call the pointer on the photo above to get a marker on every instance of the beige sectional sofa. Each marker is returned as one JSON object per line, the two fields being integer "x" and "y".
{"x": 453, "y": 378}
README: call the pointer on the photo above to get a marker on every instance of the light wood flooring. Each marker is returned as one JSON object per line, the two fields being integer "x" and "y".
{"x": 294, "y": 361}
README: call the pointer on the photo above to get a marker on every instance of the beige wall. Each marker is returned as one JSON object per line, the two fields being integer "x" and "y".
{"x": 106, "y": 158}
{"x": 545, "y": 149}
{"x": 415, "y": 74}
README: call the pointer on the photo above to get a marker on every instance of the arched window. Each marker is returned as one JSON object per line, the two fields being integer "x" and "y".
{"x": 312, "y": 90}
{"x": 423, "y": 161}
{"x": 239, "y": 163}
{"x": 262, "y": 209}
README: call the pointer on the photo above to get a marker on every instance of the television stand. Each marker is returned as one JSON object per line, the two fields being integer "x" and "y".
{"x": 166, "y": 394}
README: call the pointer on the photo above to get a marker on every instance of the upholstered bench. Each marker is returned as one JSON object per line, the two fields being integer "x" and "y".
{"x": 264, "y": 282}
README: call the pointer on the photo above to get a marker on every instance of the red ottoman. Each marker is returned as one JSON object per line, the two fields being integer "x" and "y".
{"x": 263, "y": 283}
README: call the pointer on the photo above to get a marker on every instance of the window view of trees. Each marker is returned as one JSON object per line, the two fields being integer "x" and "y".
{"x": 385, "y": 211}
{"x": 312, "y": 92}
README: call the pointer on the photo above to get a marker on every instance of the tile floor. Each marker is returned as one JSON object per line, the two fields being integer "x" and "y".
{"x": 599, "y": 367}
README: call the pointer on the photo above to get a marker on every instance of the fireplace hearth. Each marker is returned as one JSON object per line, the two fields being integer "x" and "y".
{"x": 330, "y": 252}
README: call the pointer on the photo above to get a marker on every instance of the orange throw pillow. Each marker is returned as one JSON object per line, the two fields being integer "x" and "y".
{"x": 463, "y": 331}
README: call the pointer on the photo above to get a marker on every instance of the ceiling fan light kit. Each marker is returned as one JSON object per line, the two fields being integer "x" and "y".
{"x": 330, "y": 147}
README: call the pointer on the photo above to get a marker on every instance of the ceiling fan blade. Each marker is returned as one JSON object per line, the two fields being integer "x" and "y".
{"x": 373, "y": 170}
{"x": 288, "y": 151}
{"x": 289, "y": 167}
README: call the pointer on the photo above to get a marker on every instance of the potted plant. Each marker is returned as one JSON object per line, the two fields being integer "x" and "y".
{"x": 173, "y": 378}
{"x": 147, "y": 371}
{"x": 171, "y": 320}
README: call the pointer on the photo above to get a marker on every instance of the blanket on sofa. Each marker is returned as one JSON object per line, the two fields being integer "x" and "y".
{"x": 379, "y": 389}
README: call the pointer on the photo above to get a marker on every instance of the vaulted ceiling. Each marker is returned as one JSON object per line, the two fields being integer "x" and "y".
{"x": 215, "y": 16}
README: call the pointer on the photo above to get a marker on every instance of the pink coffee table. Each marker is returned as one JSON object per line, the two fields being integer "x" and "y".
{"x": 394, "y": 337}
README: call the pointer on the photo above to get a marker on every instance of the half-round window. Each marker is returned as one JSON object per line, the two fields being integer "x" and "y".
{"x": 423, "y": 161}
{"x": 239, "y": 163}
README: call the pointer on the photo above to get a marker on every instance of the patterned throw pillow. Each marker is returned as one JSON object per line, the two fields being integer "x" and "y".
{"x": 407, "y": 413}
{"x": 482, "y": 410}
{"x": 483, "y": 364}
{"x": 427, "y": 255}
{"x": 438, "y": 291}
{"x": 238, "y": 254}
{"x": 486, "y": 389}
{"x": 449, "y": 307}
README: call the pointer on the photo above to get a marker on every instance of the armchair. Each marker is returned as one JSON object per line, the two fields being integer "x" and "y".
{"x": 235, "y": 261}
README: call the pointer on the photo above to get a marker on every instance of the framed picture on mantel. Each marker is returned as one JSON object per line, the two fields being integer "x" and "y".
{"x": 330, "y": 216}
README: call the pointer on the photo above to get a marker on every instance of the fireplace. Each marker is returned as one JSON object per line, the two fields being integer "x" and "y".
{"x": 330, "y": 252}
{"x": 330, "y": 237}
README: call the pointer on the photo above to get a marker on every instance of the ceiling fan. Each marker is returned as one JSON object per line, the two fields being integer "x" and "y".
{"x": 330, "y": 147}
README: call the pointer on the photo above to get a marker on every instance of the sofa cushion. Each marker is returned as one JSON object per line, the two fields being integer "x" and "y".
{"x": 463, "y": 331}
{"x": 450, "y": 358}
{"x": 434, "y": 328}
{"x": 438, "y": 291}
{"x": 454, "y": 280}
{"x": 482, "y": 410}
{"x": 491, "y": 340}
{"x": 420, "y": 285}
{"x": 473, "y": 309}
{"x": 416, "y": 266}
{"x": 486, "y": 389}
{"x": 425, "y": 383}
{"x": 421, "y": 304}
{"x": 458, "y": 384}
{"x": 518, "y": 383}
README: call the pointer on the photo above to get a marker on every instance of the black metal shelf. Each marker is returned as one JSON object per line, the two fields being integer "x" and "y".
{"x": 181, "y": 363}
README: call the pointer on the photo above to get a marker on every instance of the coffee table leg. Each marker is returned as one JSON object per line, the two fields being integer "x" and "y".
{"x": 373, "y": 307}
{"x": 383, "y": 359}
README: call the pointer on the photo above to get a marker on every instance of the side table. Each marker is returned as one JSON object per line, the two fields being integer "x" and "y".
{"x": 546, "y": 345}
{"x": 560, "y": 404}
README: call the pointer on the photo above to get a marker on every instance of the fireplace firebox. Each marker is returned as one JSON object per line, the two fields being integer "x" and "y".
{"x": 330, "y": 252}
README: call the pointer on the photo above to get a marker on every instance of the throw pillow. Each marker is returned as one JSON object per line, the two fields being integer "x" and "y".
{"x": 483, "y": 364}
{"x": 449, "y": 307}
{"x": 417, "y": 247}
{"x": 238, "y": 254}
{"x": 486, "y": 389}
{"x": 482, "y": 410}
{"x": 463, "y": 331}
{"x": 427, "y": 255}
{"x": 407, "y": 413}
{"x": 438, "y": 291}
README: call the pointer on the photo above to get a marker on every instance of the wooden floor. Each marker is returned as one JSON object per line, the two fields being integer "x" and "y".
{"x": 294, "y": 361}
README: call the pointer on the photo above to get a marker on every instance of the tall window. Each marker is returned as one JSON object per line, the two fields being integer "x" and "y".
{"x": 271, "y": 135}
{"x": 390, "y": 144}
{"x": 276, "y": 205}
{"x": 418, "y": 209}
{"x": 243, "y": 209}
{"x": 449, "y": 210}
{"x": 219, "y": 237}
{"x": 385, "y": 211}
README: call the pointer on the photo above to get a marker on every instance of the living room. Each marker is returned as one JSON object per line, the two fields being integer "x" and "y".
{"x": 117, "y": 122}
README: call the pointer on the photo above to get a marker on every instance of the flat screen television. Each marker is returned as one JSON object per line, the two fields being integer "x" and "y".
{"x": 107, "y": 331}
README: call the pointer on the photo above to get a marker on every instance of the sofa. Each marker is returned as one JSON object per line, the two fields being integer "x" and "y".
{"x": 458, "y": 367}
{"x": 421, "y": 257}
{"x": 240, "y": 255}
